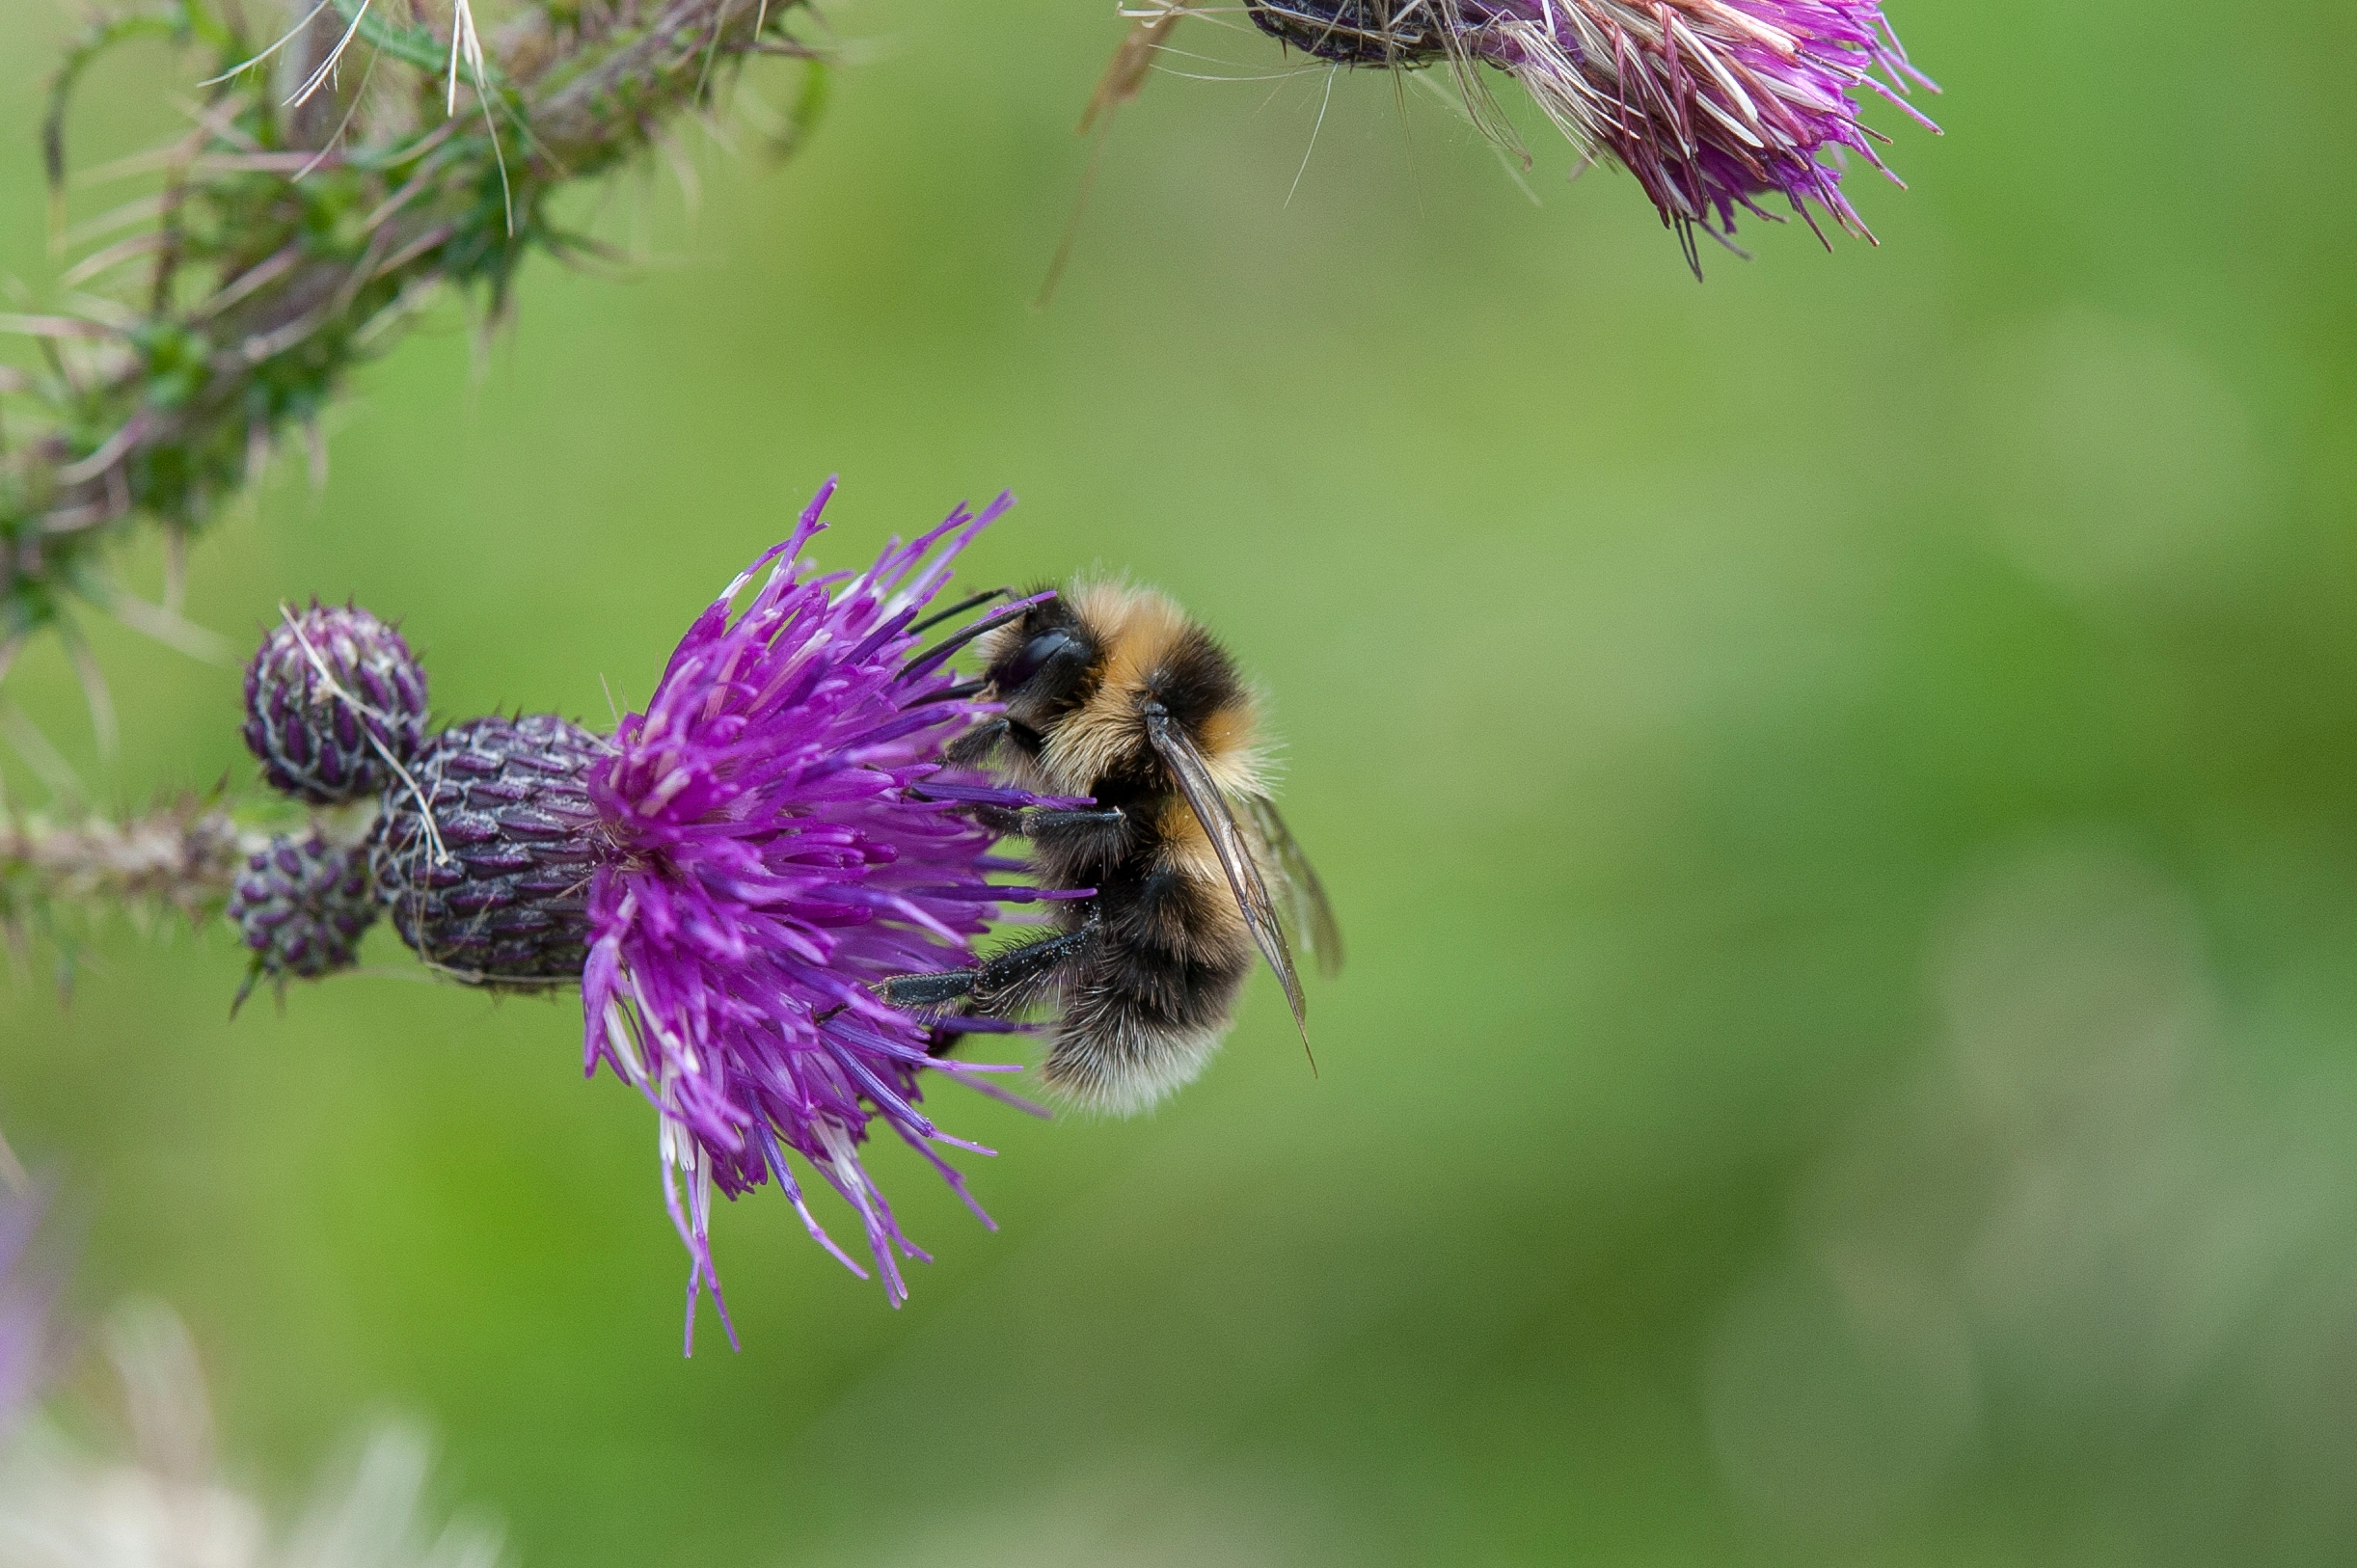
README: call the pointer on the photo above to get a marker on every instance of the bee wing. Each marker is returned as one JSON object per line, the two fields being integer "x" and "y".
{"x": 1313, "y": 916}
{"x": 1209, "y": 805}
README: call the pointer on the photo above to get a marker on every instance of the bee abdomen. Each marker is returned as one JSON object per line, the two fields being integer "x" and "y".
{"x": 1158, "y": 989}
{"x": 1139, "y": 1019}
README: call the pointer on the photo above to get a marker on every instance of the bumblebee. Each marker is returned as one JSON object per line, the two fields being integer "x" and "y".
{"x": 1111, "y": 693}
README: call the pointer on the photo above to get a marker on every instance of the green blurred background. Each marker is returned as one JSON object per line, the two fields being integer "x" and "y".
{"x": 1840, "y": 782}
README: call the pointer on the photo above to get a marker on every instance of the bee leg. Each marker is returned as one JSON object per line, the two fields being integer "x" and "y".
{"x": 1029, "y": 822}
{"x": 974, "y": 747}
{"x": 993, "y": 981}
{"x": 1005, "y": 821}
{"x": 1078, "y": 837}
{"x": 1038, "y": 819}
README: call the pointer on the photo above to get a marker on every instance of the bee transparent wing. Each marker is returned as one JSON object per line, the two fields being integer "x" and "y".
{"x": 1313, "y": 916}
{"x": 1209, "y": 805}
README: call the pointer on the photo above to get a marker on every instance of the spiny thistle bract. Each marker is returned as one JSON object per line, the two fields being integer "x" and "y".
{"x": 330, "y": 182}
{"x": 485, "y": 863}
{"x": 1354, "y": 32}
{"x": 1710, "y": 104}
{"x": 301, "y": 906}
{"x": 335, "y": 705}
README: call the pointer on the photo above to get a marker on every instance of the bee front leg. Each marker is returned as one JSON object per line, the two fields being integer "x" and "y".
{"x": 1038, "y": 820}
{"x": 974, "y": 747}
{"x": 1030, "y": 821}
{"x": 995, "y": 981}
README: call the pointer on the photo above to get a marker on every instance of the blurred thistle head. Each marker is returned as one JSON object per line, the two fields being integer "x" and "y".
{"x": 335, "y": 704}
{"x": 780, "y": 836}
{"x": 301, "y": 906}
{"x": 1712, "y": 104}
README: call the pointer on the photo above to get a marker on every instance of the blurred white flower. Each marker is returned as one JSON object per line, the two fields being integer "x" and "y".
{"x": 165, "y": 1506}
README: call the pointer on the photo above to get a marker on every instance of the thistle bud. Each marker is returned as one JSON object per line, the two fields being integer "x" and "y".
{"x": 301, "y": 904}
{"x": 333, "y": 701}
{"x": 487, "y": 863}
{"x": 1354, "y": 32}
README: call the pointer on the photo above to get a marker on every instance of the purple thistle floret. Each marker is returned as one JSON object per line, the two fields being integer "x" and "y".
{"x": 1710, "y": 104}
{"x": 772, "y": 850}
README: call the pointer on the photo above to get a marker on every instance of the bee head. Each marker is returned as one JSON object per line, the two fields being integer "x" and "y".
{"x": 1039, "y": 666}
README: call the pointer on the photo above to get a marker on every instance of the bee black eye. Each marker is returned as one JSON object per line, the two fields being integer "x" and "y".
{"x": 1034, "y": 655}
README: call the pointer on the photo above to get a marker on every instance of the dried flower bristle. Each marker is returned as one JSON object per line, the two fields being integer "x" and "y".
{"x": 156, "y": 1498}
{"x": 25, "y": 1293}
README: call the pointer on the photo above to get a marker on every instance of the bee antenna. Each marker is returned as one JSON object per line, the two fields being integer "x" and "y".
{"x": 941, "y": 650}
{"x": 958, "y": 608}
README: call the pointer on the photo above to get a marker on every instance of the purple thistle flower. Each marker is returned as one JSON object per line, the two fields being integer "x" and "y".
{"x": 773, "y": 844}
{"x": 1710, "y": 104}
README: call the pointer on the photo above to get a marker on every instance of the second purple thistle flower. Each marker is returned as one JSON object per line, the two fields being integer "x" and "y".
{"x": 1710, "y": 104}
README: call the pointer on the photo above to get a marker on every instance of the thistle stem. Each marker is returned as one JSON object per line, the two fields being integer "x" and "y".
{"x": 176, "y": 859}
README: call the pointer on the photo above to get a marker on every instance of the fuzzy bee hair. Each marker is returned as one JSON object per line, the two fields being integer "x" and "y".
{"x": 1109, "y": 692}
{"x": 1139, "y": 647}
